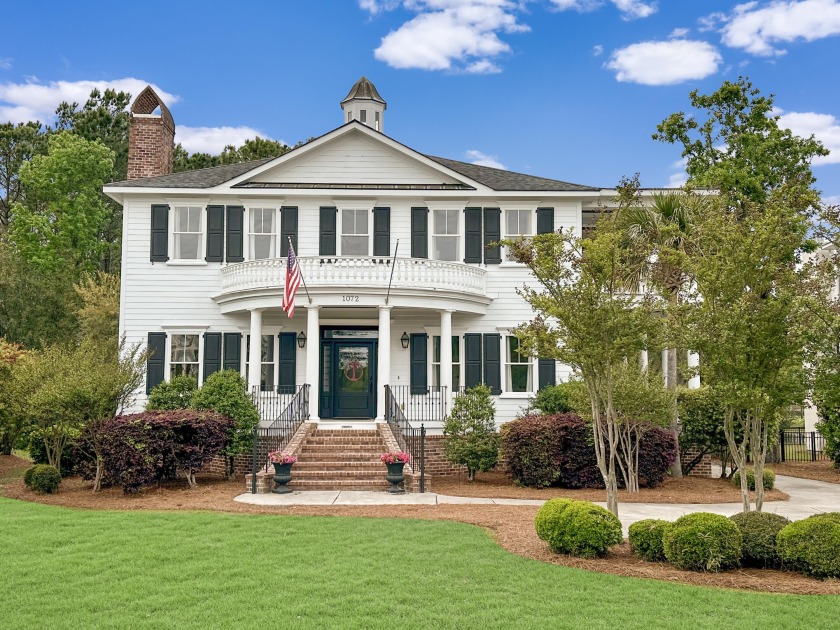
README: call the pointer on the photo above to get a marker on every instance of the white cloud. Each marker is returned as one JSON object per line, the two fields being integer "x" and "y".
{"x": 5, "y": 63}
{"x": 664, "y": 63}
{"x": 824, "y": 127}
{"x": 831, "y": 200}
{"x": 377, "y": 6}
{"x": 757, "y": 29}
{"x": 597, "y": 50}
{"x": 458, "y": 35}
{"x": 213, "y": 140}
{"x": 630, "y": 9}
{"x": 679, "y": 33}
{"x": 679, "y": 177}
{"x": 35, "y": 100}
{"x": 482, "y": 159}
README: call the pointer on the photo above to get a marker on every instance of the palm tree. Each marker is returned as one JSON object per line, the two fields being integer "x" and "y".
{"x": 657, "y": 235}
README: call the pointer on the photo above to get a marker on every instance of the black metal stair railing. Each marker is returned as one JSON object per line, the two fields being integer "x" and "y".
{"x": 284, "y": 424}
{"x": 411, "y": 440}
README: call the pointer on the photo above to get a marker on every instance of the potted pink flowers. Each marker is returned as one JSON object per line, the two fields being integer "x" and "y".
{"x": 282, "y": 470}
{"x": 395, "y": 461}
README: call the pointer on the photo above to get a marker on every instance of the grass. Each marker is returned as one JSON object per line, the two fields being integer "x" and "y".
{"x": 88, "y": 569}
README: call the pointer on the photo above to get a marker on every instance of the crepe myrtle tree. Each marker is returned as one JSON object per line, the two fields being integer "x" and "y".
{"x": 470, "y": 435}
{"x": 588, "y": 320}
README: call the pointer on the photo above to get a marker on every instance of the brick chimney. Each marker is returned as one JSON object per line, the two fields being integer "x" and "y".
{"x": 151, "y": 137}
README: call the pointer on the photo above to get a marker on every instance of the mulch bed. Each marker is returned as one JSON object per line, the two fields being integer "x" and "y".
{"x": 819, "y": 471}
{"x": 686, "y": 490}
{"x": 12, "y": 463}
{"x": 511, "y": 526}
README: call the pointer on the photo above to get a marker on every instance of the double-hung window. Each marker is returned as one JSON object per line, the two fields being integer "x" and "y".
{"x": 183, "y": 357}
{"x": 517, "y": 224}
{"x": 187, "y": 234}
{"x": 354, "y": 232}
{"x": 445, "y": 238}
{"x": 266, "y": 362}
{"x": 519, "y": 372}
{"x": 262, "y": 233}
{"x": 456, "y": 362}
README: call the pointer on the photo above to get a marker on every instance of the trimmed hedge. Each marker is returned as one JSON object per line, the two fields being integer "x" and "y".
{"x": 42, "y": 478}
{"x": 812, "y": 546}
{"x": 151, "y": 447}
{"x": 646, "y": 539}
{"x": 577, "y": 528}
{"x": 558, "y": 450}
{"x": 769, "y": 479}
{"x": 759, "y": 531}
{"x": 703, "y": 542}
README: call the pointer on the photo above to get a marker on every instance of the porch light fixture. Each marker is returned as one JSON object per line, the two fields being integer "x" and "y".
{"x": 301, "y": 339}
{"x": 404, "y": 341}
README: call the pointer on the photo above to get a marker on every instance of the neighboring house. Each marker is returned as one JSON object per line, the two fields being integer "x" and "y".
{"x": 404, "y": 287}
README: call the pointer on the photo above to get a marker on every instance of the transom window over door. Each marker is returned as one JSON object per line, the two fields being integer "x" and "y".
{"x": 262, "y": 235}
{"x": 445, "y": 245}
{"x": 183, "y": 357}
{"x": 187, "y": 233}
{"x": 518, "y": 368}
{"x": 517, "y": 223}
{"x": 354, "y": 232}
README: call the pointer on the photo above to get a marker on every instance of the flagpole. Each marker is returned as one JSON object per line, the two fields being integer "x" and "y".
{"x": 393, "y": 264}
{"x": 300, "y": 270}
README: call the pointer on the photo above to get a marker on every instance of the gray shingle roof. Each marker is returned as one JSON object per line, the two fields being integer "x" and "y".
{"x": 498, "y": 179}
{"x": 199, "y": 178}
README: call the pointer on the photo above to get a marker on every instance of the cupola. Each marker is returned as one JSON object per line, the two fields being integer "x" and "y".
{"x": 364, "y": 104}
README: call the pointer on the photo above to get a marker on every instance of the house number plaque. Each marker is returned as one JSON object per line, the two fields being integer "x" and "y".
{"x": 349, "y": 298}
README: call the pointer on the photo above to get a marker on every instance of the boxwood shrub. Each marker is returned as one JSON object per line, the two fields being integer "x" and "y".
{"x": 759, "y": 531}
{"x": 577, "y": 528}
{"x": 43, "y": 478}
{"x": 646, "y": 539}
{"x": 812, "y": 545}
{"x": 703, "y": 542}
{"x": 769, "y": 479}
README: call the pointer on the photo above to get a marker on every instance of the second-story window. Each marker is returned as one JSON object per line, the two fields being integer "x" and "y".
{"x": 445, "y": 243}
{"x": 262, "y": 236}
{"x": 354, "y": 232}
{"x": 187, "y": 233}
{"x": 517, "y": 224}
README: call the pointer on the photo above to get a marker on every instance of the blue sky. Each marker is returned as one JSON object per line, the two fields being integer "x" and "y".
{"x": 567, "y": 89}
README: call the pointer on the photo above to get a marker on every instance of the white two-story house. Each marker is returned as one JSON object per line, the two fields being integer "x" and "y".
{"x": 404, "y": 289}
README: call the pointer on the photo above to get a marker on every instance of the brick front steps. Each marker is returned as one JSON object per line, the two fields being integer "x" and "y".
{"x": 340, "y": 459}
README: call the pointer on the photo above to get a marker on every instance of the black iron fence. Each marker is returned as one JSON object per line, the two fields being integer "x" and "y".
{"x": 285, "y": 423}
{"x": 798, "y": 445}
{"x": 272, "y": 404}
{"x": 411, "y": 440}
{"x": 428, "y": 404}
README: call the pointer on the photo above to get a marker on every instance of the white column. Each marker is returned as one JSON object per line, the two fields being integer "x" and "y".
{"x": 665, "y": 367}
{"x": 383, "y": 368}
{"x": 694, "y": 362}
{"x": 255, "y": 351}
{"x": 446, "y": 351}
{"x": 313, "y": 345}
{"x": 643, "y": 360}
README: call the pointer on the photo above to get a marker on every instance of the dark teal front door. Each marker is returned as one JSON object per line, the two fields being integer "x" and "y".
{"x": 348, "y": 373}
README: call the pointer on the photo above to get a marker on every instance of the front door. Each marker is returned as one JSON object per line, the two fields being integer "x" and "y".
{"x": 348, "y": 377}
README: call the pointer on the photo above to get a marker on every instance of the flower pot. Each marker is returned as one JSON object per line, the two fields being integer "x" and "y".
{"x": 395, "y": 476}
{"x": 282, "y": 476}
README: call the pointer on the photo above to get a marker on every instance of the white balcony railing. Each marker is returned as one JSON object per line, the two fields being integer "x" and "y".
{"x": 332, "y": 271}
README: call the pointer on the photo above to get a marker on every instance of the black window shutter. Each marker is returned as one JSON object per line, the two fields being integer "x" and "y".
{"x": 547, "y": 373}
{"x": 418, "y": 348}
{"x": 212, "y": 353}
{"x": 492, "y": 234}
{"x": 326, "y": 244}
{"x": 381, "y": 231}
{"x": 472, "y": 231}
{"x": 235, "y": 228}
{"x": 159, "y": 251}
{"x": 472, "y": 359}
{"x": 288, "y": 229}
{"x": 156, "y": 363}
{"x": 288, "y": 365}
{"x": 545, "y": 220}
{"x": 493, "y": 362}
{"x": 233, "y": 351}
{"x": 215, "y": 234}
{"x": 419, "y": 232}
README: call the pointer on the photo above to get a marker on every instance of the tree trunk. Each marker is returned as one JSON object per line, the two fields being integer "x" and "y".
{"x": 97, "y": 480}
{"x": 676, "y": 467}
{"x": 739, "y": 454}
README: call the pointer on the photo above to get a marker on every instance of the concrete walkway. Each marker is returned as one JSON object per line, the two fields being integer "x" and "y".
{"x": 807, "y": 497}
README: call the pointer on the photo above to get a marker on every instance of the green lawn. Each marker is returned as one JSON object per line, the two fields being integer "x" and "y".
{"x": 66, "y": 568}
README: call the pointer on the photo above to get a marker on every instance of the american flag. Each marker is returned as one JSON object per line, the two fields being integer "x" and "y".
{"x": 292, "y": 282}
